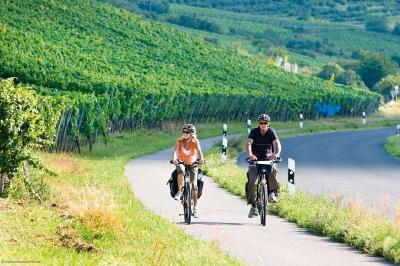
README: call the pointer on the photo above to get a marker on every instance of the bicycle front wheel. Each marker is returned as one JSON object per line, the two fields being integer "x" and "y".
{"x": 187, "y": 203}
{"x": 262, "y": 203}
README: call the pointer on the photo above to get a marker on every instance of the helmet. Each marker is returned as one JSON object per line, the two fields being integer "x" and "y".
{"x": 264, "y": 117}
{"x": 191, "y": 128}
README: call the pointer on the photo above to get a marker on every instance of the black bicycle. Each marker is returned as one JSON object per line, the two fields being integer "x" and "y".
{"x": 187, "y": 196}
{"x": 264, "y": 168}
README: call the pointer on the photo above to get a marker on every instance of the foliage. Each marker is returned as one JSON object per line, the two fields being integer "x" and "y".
{"x": 141, "y": 72}
{"x": 392, "y": 146}
{"x": 27, "y": 121}
{"x": 376, "y": 23}
{"x": 396, "y": 29}
{"x": 329, "y": 69}
{"x": 148, "y": 8}
{"x": 387, "y": 83}
{"x": 195, "y": 23}
{"x": 342, "y": 76}
{"x": 337, "y": 10}
{"x": 316, "y": 40}
{"x": 374, "y": 66}
{"x": 349, "y": 77}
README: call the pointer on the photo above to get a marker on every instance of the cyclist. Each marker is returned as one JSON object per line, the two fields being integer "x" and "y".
{"x": 187, "y": 149}
{"x": 258, "y": 146}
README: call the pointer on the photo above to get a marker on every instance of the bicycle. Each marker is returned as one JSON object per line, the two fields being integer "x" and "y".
{"x": 264, "y": 168}
{"x": 186, "y": 198}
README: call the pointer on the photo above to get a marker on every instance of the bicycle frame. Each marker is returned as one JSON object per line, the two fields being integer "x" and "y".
{"x": 264, "y": 169}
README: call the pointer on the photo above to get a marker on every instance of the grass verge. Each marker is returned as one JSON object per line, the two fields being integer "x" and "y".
{"x": 91, "y": 217}
{"x": 347, "y": 222}
{"x": 392, "y": 146}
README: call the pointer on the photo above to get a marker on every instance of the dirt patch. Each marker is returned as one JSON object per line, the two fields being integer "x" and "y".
{"x": 68, "y": 238}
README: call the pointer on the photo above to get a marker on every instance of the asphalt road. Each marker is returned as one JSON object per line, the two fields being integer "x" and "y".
{"x": 223, "y": 221}
{"x": 354, "y": 164}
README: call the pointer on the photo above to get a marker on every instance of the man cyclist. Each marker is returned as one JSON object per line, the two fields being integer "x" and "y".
{"x": 258, "y": 147}
{"x": 187, "y": 149}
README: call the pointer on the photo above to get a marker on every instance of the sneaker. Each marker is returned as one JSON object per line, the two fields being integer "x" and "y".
{"x": 253, "y": 212}
{"x": 196, "y": 213}
{"x": 178, "y": 195}
{"x": 272, "y": 197}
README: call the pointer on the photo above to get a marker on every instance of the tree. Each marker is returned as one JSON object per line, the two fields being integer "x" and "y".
{"x": 375, "y": 66}
{"x": 386, "y": 84}
{"x": 376, "y": 23}
{"x": 329, "y": 69}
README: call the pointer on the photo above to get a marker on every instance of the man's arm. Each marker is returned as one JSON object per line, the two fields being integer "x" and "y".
{"x": 277, "y": 149}
{"x": 248, "y": 149}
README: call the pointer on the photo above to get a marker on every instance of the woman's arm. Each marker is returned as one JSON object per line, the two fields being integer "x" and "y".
{"x": 199, "y": 152}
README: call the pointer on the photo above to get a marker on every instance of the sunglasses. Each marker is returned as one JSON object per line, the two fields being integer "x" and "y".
{"x": 185, "y": 132}
{"x": 263, "y": 123}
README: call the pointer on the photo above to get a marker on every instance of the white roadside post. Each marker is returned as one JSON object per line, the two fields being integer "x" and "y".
{"x": 364, "y": 118}
{"x": 398, "y": 130}
{"x": 392, "y": 94}
{"x": 301, "y": 120}
{"x": 291, "y": 171}
{"x": 396, "y": 92}
{"x": 224, "y": 143}
{"x": 248, "y": 126}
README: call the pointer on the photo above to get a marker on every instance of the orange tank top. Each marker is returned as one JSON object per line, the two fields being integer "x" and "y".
{"x": 187, "y": 156}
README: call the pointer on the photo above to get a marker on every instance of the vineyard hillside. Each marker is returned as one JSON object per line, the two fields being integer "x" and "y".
{"x": 89, "y": 47}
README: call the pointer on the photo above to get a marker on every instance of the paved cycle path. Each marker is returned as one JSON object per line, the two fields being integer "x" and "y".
{"x": 223, "y": 221}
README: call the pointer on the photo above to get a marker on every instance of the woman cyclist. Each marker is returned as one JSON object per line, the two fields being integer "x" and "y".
{"x": 188, "y": 150}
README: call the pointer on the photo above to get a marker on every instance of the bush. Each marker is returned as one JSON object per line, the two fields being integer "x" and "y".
{"x": 329, "y": 69}
{"x": 386, "y": 84}
{"x": 27, "y": 121}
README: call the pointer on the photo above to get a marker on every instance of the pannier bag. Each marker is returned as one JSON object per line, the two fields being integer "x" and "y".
{"x": 173, "y": 183}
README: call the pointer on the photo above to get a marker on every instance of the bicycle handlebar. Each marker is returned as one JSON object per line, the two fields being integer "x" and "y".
{"x": 182, "y": 162}
{"x": 255, "y": 161}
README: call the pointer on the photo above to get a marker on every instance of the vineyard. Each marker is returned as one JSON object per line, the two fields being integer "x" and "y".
{"x": 306, "y": 37}
{"x": 101, "y": 69}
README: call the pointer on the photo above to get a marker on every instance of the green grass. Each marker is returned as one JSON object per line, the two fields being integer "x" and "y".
{"x": 392, "y": 146}
{"x": 94, "y": 207}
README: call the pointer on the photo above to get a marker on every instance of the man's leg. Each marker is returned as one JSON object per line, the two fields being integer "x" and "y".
{"x": 251, "y": 182}
{"x": 272, "y": 182}
{"x": 273, "y": 186}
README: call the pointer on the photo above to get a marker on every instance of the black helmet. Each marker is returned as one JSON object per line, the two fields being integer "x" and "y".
{"x": 191, "y": 128}
{"x": 264, "y": 117}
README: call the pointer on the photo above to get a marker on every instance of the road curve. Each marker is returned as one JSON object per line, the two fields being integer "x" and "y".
{"x": 223, "y": 220}
{"x": 352, "y": 163}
